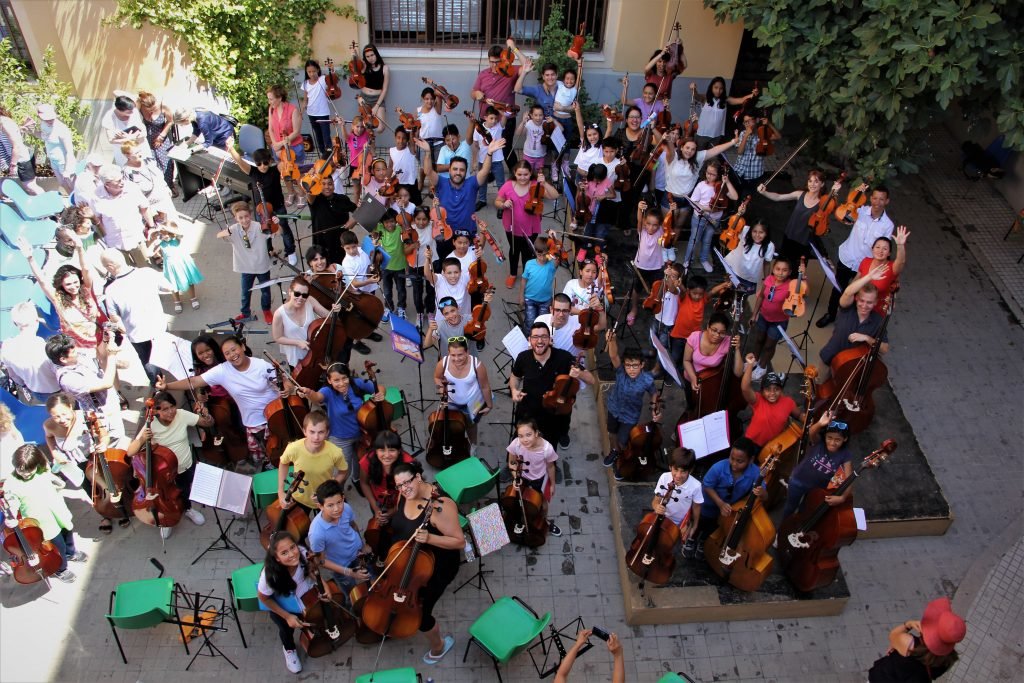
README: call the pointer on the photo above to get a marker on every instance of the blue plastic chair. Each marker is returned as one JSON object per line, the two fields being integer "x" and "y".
{"x": 13, "y": 264}
{"x": 32, "y": 207}
{"x": 13, "y": 226}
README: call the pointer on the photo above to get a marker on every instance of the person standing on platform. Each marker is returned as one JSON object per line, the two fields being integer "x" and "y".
{"x": 726, "y": 482}
{"x": 249, "y": 258}
{"x": 316, "y": 457}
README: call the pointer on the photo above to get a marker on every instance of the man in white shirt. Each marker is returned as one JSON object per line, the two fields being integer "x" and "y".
{"x": 123, "y": 212}
{"x": 24, "y": 354}
{"x": 563, "y": 324}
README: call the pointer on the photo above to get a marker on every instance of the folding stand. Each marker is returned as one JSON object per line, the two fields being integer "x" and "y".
{"x": 205, "y": 606}
{"x": 222, "y": 542}
{"x": 502, "y": 361}
{"x": 415, "y": 445}
{"x": 480, "y": 577}
{"x": 556, "y": 638}
{"x": 422, "y": 403}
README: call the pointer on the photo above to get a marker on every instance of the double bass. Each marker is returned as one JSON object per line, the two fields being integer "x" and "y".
{"x": 639, "y": 460}
{"x": 157, "y": 500}
{"x": 284, "y": 416}
{"x": 447, "y": 440}
{"x": 652, "y": 554}
{"x": 522, "y": 508}
{"x": 738, "y": 549}
{"x": 33, "y": 557}
{"x": 330, "y": 624}
{"x": 294, "y": 519}
{"x": 109, "y": 474}
{"x": 809, "y": 541}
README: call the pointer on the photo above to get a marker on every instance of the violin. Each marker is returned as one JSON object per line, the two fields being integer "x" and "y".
{"x": 330, "y": 624}
{"x": 475, "y": 124}
{"x": 583, "y": 215}
{"x": 478, "y": 282}
{"x": 374, "y": 416}
{"x": 639, "y": 460}
{"x": 690, "y": 126}
{"x": 663, "y": 119}
{"x": 613, "y": 115}
{"x": 284, "y": 417}
{"x": 331, "y": 80}
{"x": 828, "y": 204}
{"x": 738, "y": 549}
{"x": 364, "y": 162}
{"x": 809, "y": 540}
{"x": 392, "y": 607}
{"x": 409, "y": 122}
{"x": 556, "y": 252}
{"x": 522, "y": 508}
{"x": 109, "y": 474}
{"x": 286, "y": 165}
{"x": 603, "y": 277}
{"x": 158, "y": 499}
{"x": 269, "y": 223}
{"x": 439, "y": 217}
{"x": 447, "y": 440}
{"x": 356, "y": 71}
{"x": 366, "y": 114}
{"x": 506, "y": 108}
{"x": 623, "y": 180}
{"x": 535, "y": 201}
{"x": 651, "y": 554}
{"x": 668, "y": 223}
{"x": 765, "y": 144}
{"x": 318, "y": 174}
{"x": 575, "y": 51}
{"x": 586, "y": 336}
{"x": 33, "y": 557}
{"x": 337, "y": 156}
{"x": 390, "y": 186}
{"x": 294, "y": 519}
{"x": 410, "y": 236}
{"x": 482, "y": 229}
{"x": 450, "y": 101}
{"x": 791, "y": 444}
{"x": 720, "y": 202}
{"x": 476, "y": 328}
{"x": 730, "y": 237}
{"x": 748, "y": 105}
{"x": 847, "y": 212}
{"x": 653, "y": 302}
{"x": 561, "y": 397}
{"x": 506, "y": 60}
{"x": 794, "y": 305}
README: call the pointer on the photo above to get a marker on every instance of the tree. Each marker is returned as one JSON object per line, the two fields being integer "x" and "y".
{"x": 871, "y": 75}
{"x": 240, "y": 47}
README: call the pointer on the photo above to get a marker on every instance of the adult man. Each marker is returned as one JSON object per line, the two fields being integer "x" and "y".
{"x": 24, "y": 354}
{"x": 89, "y": 381}
{"x": 870, "y": 225}
{"x": 533, "y": 373}
{"x": 215, "y": 130}
{"x": 88, "y": 181}
{"x": 330, "y": 211}
{"x": 857, "y": 322}
{"x": 123, "y": 213}
{"x": 563, "y": 324}
{"x": 544, "y": 92}
{"x": 492, "y": 85}
{"x": 457, "y": 193}
{"x": 133, "y": 300}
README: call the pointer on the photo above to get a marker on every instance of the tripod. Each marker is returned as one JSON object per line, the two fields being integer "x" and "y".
{"x": 222, "y": 542}
{"x": 422, "y": 403}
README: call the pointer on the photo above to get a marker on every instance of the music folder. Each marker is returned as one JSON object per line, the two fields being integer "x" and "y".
{"x": 221, "y": 489}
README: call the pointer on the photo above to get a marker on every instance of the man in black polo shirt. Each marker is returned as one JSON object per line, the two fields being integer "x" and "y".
{"x": 857, "y": 322}
{"x": 533, "y": 373}
{"x": 330, "y": 210}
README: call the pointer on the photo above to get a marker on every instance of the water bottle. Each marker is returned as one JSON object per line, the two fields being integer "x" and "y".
{"x": 470, "y": 555}
{"x": 430, "y": 680}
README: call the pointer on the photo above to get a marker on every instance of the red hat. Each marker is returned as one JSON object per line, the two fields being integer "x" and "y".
{"x": 941, "y": 628}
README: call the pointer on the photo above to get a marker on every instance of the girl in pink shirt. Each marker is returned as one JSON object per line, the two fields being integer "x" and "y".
{"x": 769, "y": 316}
{"x": 538, "y": 468}
{"x": 521, "y": 226}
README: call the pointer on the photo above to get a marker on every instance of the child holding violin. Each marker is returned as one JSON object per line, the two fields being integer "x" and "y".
{"x": 334, "y": 535}
{"x": 393, "y": 273}
{"x": 767, "y": 317}
{"x": 250, "y": 258}
{"x": 690, "y": 314}
{"x": 649, "y": 260}
{"x": 402, "y": 162}
{"x": 538, "y": 281}
{"x": 534, "y": 149}
{"x": 707, "y": 200}
{"x": 514, "y": 202}
{"x": 749, "y": 162}
{"x": 355, "y": 140}
{"x": 282, "y": 583}
{"x": 683, "y": 507}
{"x": 453, "y": 283}
{"x": 750, "y": 259}
{"x": 625, "y": 402}
{"x": 493, "y": 122}
{"x": 263, "y": 173}
{"x": 539, "y": 458}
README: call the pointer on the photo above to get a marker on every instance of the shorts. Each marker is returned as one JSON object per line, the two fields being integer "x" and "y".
{"x": 772, "y": 329}
{"x": 536, "y": 163}
{"x": 27, "y": 170}
{"x": 618, "y": 428}
{"x": 649, "y": 277}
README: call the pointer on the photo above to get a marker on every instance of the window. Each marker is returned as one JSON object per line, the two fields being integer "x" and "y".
{"x": 9, "y": 29}
{"x": 454, "y": 24}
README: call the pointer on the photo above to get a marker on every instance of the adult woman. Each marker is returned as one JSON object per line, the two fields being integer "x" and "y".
{"x": 798, "y": 234}
{"x": 160, "y": 133}
{"x": 282, "y": 583}
{"x": 60, "y": 148}
{"x": 378, "y": 77}
{"x": 521, "y": 226}
{"x": 141, "y": 169}
{"x": 377, "y": 480}
{"x": 284, "y": 123}
{"x": 924, "y": 658}
{"x": 316, "y": 105}
{"x": 682, "y": 172}
{"x": 630, "y": 135}
{"x": 442, "y": 536}
{"x": 880, "y": 253}
{"x": 293, "y": 318}
{"x": 15, "y": 159}
{"x": 711, "y": 122}
{"x": 207, "y": 354}
{"x": 72, "y": 297}
{"x": 469, "y": 388}
{"x": 705, "y": 349}
{"x": 657, "y": 71}
{"x": 124, "y": 124}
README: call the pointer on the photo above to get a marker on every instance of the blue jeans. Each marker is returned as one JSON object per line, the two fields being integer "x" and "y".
{"x": 248, "y": 279}
{"x": 286, "y": 232}
{"x": 321, "y": 129}
{"x": 534, "y": 309}
{"x": 498, "y": 169}
{"x": 388, "y": 280}
{"x": 795, "y": 496}
{"x": 707, "y": 232}
{"x": 65, "y": 543}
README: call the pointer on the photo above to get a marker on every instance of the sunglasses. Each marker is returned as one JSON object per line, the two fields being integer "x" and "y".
{"x": 455, "y": 340}
{"x": 301, "y": 295}
{"x": 836, "y": 424}
{"x": 771, "y": 293}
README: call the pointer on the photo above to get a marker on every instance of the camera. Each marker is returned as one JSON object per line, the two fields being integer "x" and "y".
{"x": 109, "y": 328}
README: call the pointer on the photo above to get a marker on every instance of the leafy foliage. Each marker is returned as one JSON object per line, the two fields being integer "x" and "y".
{"x": 20, "y": 92}
{"x": 872, "y": 74}
{"x": 239, "y": 47}
{"x": 555, "y": 39}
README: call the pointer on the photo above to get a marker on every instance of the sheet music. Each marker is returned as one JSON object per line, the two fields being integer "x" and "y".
{"x": 219, "y": 153}
{"x": 793, "y": 348}
{"x": 489, "y": 529}
{"x": 558, "y": 139}
{"x": 733, "y": 277}
{"x": 515, "y": 342}
{"x": 665, "y": 358}
{"x": 826, "y": 269}
{"x": 179, "y": 152}
{"x": 206, "y": 484}
{"x": 862, "y": 519}
{"x": 234, "y": 492}
{"x": 710, "y": 434}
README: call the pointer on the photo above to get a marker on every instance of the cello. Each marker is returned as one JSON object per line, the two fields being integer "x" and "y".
{"x": 392, "y": 606}
{"x": 109, "y": 473}
{"x": 330, "y": 624}
{"x": 33, "y": 557}
{"x": 374, "y": 416}
{"x": 447, "y": 442}
{"x": 809, "y": 541}
{"x": 158, "y": 500}
{"x": 651, "y": 555}
{"x": 818, "y": 221}
{"x": 561, "y": 397}
{"x": 737, "y": 549}
{"x": 284, "y": 416}
{"x": 522, "y": 508}
{"x": 294, "y": 519}
{"x": 639, "y": 460}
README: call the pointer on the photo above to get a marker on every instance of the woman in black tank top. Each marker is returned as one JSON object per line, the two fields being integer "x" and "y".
{"x": 442, "y": 537}
{"x": 798, "y": 233}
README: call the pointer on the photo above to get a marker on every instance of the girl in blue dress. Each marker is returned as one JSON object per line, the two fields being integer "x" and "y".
{"x": 179, "y": 267}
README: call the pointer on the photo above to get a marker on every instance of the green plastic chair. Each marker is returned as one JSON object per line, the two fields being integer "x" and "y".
{"x": 506, "y": 629}
{"x": 675, "y": 678}
{"x": 467, "y": 481}
{"x": 242, "y": 589}
{"x": 143, "y": 604}
{"x": 13, "y": 226}
{"x": 264, "y": 490}
{"x": 406, "y": 675}
{"x": 392, "y": 395}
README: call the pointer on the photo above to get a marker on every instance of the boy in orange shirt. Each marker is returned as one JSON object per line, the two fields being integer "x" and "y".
{"x": 690, "y": 316}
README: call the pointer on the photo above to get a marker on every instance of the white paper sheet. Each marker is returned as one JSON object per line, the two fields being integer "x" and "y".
{"x": 862, "y": 519}
{"x": 234, "y": 492}
{"x": 825, "y": 268}
{"x": 515, "y": 342}
{"x": 710, "y": 434}
{"x": 665, "y": 358}
{"x": 206, "y": 484}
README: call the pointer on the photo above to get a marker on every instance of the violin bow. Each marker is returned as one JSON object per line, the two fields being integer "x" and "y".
{"x": 786, "y": 162}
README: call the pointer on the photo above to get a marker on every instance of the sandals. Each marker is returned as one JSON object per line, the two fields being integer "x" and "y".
{"x": 177, "y": 307}
{"x": 430, "y": 658}
{"x": 106, "y": 527}
{"x": 124, "y": 522}
{"x": 195, "y": 304}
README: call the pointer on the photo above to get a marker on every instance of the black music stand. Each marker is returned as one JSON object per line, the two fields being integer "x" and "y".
{"x": 222, "y": 542}
{"x": 208, "y": 614}
{"x": 415, "y": 445}
{"x": 555, "y": 638}
{"x": 217, "y": 488}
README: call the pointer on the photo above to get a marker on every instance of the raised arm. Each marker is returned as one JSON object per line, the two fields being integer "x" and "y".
{"x": 429, "y": 173}
{"x": 901, "y": 249}
{"x": 850, "y": 293}
{"x": 242, "y": 163}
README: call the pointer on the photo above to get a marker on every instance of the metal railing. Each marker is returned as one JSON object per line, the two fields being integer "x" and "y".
{"x": 470, "y": 24}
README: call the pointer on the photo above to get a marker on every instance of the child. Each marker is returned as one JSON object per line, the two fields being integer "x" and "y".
{"x": 771, "y": 409}
{"x": 249, "y": 258}
{"x": 563, "y": 109}
{"x": 451, "y": 325}
{"x": 534, "y": 150}
{"x": 314, "y": 455}
{"x": 726, "y": 482}
{"x": 342, "y": 398}
{"x": 608, "y": 212}
{"x": 179, "y": 267}
{"x": 625, "y": 402}
{"x": 538, "y": 463}
{"x": 281, "y": 586}
{"x": 453, "y": 283}
{"x": 422, "y": 291}
{"x": 598, "y": 188}
{"x": 356, "y": 265}
{"x": 662, "y": 322}
{"x": 648, "y": 259}
{"x": 683, "y": 507}
{"x": 431, "y": 122}
{"x": 402, "y": 161}
{"x": 768, "y": 315}
{"x": 461, "y": 240}
{"x": 263, "y": 172}
{"x": 820, "y": 469}
{"x": 749, "y": 259}
{"x": 494, "y": 125}
{"x": 374, "y": 181}
{"x": 690, "y": 315}
{"x": 584, "y": 290}
{"x": 355, "y": 141}
{"x": 334, "y": 534}
{"x": 34, "y": 492}
{"x": 538, "y": 281}
{"x": 394, "y": 272}
{"x": 703, "y": 222}
{"x": 377, "y": 483}
{"x": 590, "y": 147}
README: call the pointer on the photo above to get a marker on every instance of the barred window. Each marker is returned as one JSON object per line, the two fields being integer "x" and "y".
{"x": 9, "y": 29}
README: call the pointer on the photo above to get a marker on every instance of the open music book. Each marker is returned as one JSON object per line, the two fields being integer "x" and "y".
{"x": 221, "y": 489}
{"x": 709, "y": 434}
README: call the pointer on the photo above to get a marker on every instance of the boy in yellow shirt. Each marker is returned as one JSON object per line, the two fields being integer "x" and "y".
{"x": 316, "y": 457}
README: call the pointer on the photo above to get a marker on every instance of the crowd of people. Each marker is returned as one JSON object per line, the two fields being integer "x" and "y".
{"x": 119, "y": 247}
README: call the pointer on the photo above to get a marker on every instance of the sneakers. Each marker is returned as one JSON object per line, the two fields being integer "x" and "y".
{"x": 268, "y": 317}
{"x": 243, "y": 317}
{"x": 700, "y": 550}
{"x": 67, "y": 576}
{"x": 615, "y": 473}
{"x": 195, "y": 516}
{"x": 553, "y": 528}
{"x": 292, "y": 258}
{"x": 689, "y": 549}
{"x": 707, "y": 266}
{"x": 825, "y": 320}
{"x": 758, "y": 373}
{"x": 401, "y": 313}
{"x": 387, "y": 317}
{"x": 291, "y": 660}
{"x": 563, "y": 443}
{"x": 610, "y": 459}
{"x": 165, "y": 532}
{"x": 78, "y": 556}
{"x": 480, "y": 205}
{"x": 501, "y": 213}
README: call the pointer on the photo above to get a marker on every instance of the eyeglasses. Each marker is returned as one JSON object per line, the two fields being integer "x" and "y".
{"x": 561, "y": 310}
{"x": 836, "y": 424}
{"x": 634, "y": 365}
{"x": 301, "y": 295}
{"x": 455, "y": 340}
{"x": 540, "y": 336}
{"x": 405, "y": 484}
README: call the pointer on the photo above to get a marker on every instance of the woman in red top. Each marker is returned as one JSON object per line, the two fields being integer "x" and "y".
{"x": 378, "y": 480}
{"x": 285, "y": 123}
{"x": 880, "y": 253}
